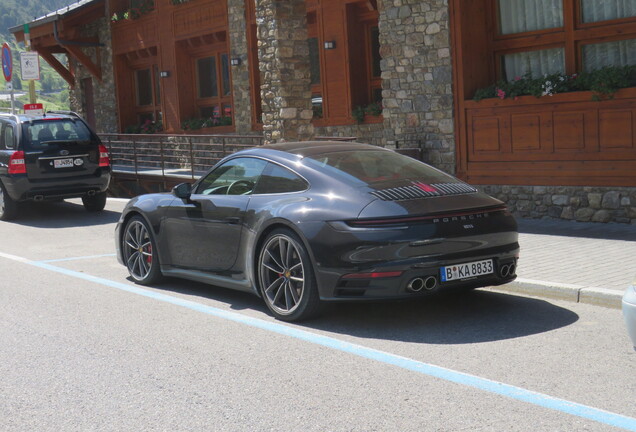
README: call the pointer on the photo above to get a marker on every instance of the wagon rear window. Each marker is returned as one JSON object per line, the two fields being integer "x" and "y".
{"x": 44, "y": 133}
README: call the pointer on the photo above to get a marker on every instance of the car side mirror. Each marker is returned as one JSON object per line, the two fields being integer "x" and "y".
{"x": 182, "y": 190}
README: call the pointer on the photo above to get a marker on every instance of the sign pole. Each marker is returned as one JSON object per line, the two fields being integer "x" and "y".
{"x": 27, "y": 42}
{"x": 12, "y": 101}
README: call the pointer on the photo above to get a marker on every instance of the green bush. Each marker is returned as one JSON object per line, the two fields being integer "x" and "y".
{"x": 602, "y": 82}
{"x": 138, "y": 9}
{"x": 374, "y": 109}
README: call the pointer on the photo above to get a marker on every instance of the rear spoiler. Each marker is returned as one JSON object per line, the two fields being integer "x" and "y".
{"x": 71, "y": 113}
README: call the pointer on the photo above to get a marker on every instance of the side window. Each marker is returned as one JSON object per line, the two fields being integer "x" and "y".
{"x": 277, "y": 179}
{"x": 2, "y": 126}
{"x": 8, "y": 136}
{"x": 235, "y": 177}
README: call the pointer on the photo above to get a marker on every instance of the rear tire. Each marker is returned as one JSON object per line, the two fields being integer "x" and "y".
{"x": 286, "y": 277}
{"x": 94, "y": 203}
{"x": 8, "y": 207}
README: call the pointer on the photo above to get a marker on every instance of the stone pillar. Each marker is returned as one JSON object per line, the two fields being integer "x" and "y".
{"x": 240, "y": 74}
{"x": 417, "y": 78}
{"x": 103, "y": 92}
{"x": 283, "y": 55}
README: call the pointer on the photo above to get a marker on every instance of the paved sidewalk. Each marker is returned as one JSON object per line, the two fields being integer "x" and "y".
{"x": 577, "y": 261}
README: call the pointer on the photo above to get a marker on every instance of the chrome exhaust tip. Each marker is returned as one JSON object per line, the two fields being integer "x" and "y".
{"x": 504, "y": 271}
{"x": 38, "y": 198}
{"x": 91, "y": 193}
{"x": 511, "y": 270}
{"x": 430, "y": 283}
{"x": 415, "y": 285}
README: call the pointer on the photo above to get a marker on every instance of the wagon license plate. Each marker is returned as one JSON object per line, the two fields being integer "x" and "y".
{"x": 466, "y": 270}
{"x": 63, "y": 163}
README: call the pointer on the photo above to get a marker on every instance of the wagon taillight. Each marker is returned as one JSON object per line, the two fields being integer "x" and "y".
{"x": 104, "y": 158}
{"x": 17, "y": 164}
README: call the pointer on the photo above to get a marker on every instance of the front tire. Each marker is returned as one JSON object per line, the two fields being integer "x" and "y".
{"x": 140, "y": 252}
{"x": 286, "y": 277}
{"x": 8, "y": 207}
{"x": 94, "y": 203}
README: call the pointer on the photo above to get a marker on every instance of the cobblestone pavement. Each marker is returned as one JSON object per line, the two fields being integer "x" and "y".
{"x": 577, "y": 261}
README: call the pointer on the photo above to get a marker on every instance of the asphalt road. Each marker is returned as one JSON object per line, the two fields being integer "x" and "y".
{"x": 83, "y": 348}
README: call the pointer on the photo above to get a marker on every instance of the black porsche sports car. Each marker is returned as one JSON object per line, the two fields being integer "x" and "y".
{"x": 303, "y": 223}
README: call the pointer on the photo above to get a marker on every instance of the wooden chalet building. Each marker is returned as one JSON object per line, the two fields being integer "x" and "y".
{"x": 397, "y": 73}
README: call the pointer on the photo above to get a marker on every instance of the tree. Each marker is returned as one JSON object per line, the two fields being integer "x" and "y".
{"x": 17, "y": 82}
{"x": 47, "y": 83}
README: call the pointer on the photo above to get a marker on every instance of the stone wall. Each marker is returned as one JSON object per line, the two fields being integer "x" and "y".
{"x": 240, "y": 74}
{"x": 283, "y": 55}
{"x": 583, "y": 204}
{"x": 417, "y": 78}
{"x": 103, "y": 92}
{"x": 365, "y": 133}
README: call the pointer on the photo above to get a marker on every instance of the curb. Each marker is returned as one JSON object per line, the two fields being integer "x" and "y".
{"x": 559, "y": 291}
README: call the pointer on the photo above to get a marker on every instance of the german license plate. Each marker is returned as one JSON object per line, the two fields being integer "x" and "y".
{"x": 466, "y": 270}
{"x": 63, "y": 163}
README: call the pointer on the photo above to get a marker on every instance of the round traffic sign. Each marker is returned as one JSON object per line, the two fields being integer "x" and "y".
{"x": 7, "y": 62}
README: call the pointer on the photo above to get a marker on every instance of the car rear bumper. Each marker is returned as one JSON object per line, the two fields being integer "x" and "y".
{"x": 20, "y": 188}
{"x": 407, "y": 261}
{"x": 414, "y": 279}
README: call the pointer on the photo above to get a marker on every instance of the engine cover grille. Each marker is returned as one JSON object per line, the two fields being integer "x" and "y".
{"x": 422, "y": 190}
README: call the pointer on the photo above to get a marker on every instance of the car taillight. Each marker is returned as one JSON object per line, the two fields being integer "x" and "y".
{"x": 104, "y": 159}
{"x": 16, "y": 163}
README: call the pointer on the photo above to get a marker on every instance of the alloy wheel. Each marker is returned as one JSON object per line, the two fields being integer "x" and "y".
{"x": 282, "y": 274}
{"x": 137, "y": 246}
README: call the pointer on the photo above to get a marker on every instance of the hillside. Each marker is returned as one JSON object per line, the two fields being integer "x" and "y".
{"x": 53, "y": 91}
{"x": 17, "y": 12}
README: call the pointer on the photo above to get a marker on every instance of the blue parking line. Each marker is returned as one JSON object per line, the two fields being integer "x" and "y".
{"x": 77, "y": 258}
{"x": 461, "y": 378}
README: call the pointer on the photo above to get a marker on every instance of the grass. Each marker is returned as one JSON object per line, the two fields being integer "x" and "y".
{"x": 50, "y": 101}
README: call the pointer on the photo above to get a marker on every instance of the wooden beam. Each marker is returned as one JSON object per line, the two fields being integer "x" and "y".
{"x": 85, "y": 60}
{"x": 132, "y": 56}
{"x": 372, "y": 5}
{"x": 43, "y": 41}
{"x": 59, "y": 67}
{"x": 55, "y": 50}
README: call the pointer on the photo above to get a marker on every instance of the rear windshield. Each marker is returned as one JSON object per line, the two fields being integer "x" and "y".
{"x": 45, "y": 133}
{"x": 371, "y": 166}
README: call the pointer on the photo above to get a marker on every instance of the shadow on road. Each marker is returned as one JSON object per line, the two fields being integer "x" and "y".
{"x": 62, "y": 214}
{"x": 472, "y": 317}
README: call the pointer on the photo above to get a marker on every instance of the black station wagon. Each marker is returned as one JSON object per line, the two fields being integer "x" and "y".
{"x": 50, "y": 157}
